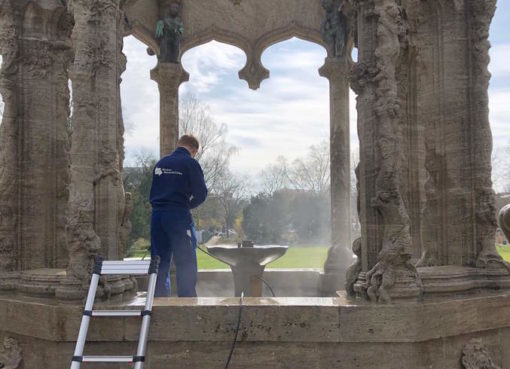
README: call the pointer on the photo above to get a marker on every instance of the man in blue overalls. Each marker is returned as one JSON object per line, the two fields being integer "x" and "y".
{"x": 177, "y": 186}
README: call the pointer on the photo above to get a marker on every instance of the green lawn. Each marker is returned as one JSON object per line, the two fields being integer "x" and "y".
{"x": 504, "y": 251}
{"x": 295, "y": 257}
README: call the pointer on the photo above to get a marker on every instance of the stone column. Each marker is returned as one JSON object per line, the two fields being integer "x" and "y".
{"x": 9, "y": 160}
{"x": 96, "y": 194}
{"x": 44, "y": 137}
{"x": 336, "y": 70}
{"x": 169, "y": 77}
{"x": 35, "y": 140}
{"x": 379, "y": 80}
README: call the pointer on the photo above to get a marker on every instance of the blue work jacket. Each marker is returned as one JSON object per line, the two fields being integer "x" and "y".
{"x": 177, "y": 182}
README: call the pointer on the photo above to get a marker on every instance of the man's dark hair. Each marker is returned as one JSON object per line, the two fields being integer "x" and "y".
{"x": 189, "y": 140}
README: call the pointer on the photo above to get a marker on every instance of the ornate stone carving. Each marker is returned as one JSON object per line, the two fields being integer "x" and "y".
{"x": 362, "y": 75}
{"x": 476, "y": 356}
{"x": 393, "y": 261}
{"x": 94, "y": 220}
{"x": 126, "y": 224}
{"x": 10, "y": 354}
{"x": 355, "y": 269}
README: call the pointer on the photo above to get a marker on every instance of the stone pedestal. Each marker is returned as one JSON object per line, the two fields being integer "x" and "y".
{"x": 169, "y": 77}
{"x": 336, "y": 70}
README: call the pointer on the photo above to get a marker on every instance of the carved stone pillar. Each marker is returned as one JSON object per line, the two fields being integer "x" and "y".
{"x": 96, "y": 191}
{"x": 35, "y": 140}
{"x": 378, "y": 78}
{"x": 9, "y": 160}
{"x": 336, "y": 70}
{"x": 44, "y": 139}
{"x": 169, "y": 77}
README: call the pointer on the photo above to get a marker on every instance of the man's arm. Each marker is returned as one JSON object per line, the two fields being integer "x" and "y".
{"x": 198, "y": 187}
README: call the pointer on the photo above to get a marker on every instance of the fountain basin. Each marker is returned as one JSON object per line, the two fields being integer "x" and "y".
{"x": 247, "y": 264}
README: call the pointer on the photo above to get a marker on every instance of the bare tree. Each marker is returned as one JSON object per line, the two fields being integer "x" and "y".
{"x": 313, "y": 172}
{"x": 214, "y": 154}
{"x": 230, "y": 191}
{"x": 274, "y": 177}
{"x": 501, "y": 169}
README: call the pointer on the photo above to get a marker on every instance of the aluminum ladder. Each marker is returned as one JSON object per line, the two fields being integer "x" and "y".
{"x": 131, "y": 267}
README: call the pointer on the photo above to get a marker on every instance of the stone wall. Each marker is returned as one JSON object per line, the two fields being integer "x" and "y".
{"x": 279, "y": 333}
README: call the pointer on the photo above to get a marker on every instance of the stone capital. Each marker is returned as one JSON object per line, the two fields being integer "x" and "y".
{"x": 335, "y": 68}
{"x": 169, "y": 76}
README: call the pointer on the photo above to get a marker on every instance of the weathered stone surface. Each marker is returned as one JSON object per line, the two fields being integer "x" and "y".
{"x": 34, "y": 140}
{"x": 336, "y": 70}
{"x": 386, "y": 238}
{"x": 281, "y": 333}
{"x": 10, "y": 354}
{"x": 169, "y": 77}
{"x": 450, "y": 85}
{"x": 9, "y": 130}
{"x": 476, "y": 356}
{"x": 425, "y": 139}
{"x": 97, "y": 199}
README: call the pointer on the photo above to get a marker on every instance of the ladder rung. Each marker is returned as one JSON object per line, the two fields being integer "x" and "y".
{"x": 108, "y": 359}
{"x": 145, "y": 263}
{"x": 116, "y": 313}
{"x": 124, "y": 271}
{"x": 126, "y": 267}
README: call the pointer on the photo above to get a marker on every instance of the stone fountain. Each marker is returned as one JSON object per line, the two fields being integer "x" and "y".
{"x": 247, "y": 263}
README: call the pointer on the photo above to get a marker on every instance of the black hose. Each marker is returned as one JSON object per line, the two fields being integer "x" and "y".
{"x": 267, "y": 284}
{"x": 240, "y": 311}
{"x": 237, "y": 330}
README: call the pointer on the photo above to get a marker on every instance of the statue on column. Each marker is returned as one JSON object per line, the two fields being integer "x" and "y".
{"x": 168, "y": 34}
{"x": 334, "y": 26}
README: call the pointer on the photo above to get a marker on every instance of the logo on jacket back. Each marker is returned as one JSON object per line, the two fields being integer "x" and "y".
{"x": 159, "y": 171}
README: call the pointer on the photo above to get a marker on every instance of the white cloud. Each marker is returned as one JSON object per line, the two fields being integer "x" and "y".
{"x": 207, "y": 64}
{"x": 140, "y": 101}
{"x": 1, "y": 98}
{"x": 499, "y": 113}
{"x": 499, "y": 65}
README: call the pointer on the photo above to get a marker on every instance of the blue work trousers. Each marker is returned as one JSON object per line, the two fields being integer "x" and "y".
{"x": 173, "y": 237}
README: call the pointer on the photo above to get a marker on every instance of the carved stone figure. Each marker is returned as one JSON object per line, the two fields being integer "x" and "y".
{"x": 334, "y": 26}
{"x": 168, "y": 34}
{"x": 476, "y": 356}
{"x": 353, "y": 272}
{"x": 10, "y": 354}
{"x": 125, "y": 227}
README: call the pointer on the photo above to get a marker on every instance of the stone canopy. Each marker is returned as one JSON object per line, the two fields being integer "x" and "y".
{"x": 250, "y": 25}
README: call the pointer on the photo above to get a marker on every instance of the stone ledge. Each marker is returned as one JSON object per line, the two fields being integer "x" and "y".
{"x": 319, "y": 320}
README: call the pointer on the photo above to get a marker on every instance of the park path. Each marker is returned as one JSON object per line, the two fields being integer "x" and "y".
{"x": 212, "y": 241}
